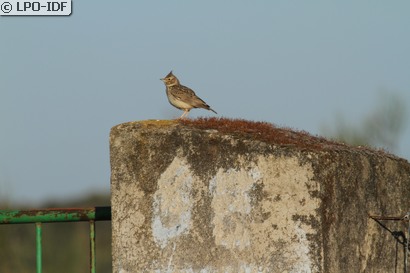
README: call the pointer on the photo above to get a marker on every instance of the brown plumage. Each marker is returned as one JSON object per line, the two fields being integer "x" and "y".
{"x": 182, "y": 97}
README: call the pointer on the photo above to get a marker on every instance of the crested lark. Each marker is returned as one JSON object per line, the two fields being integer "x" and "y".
{"x": 182, "y": 97}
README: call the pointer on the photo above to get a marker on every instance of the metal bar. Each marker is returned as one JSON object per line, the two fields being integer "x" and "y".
{"x": 55, "y": 215}
{"x": 92, "y": 247}
{"x": 39, "y": 216}
{"x": 406, "y": 252}
{"x": 392, "y": 218}
{"x": 38, "y": 247}
{"x": 406, "y": 239}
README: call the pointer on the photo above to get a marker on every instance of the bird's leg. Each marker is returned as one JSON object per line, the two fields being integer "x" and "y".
{"x": 184, "y": 114}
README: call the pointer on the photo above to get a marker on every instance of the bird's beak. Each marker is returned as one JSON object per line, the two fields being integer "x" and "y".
{"x": 162, "y": 79}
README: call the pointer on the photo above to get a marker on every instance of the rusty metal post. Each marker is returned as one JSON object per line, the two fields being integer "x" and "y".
{"x": 92, "y": 247}
{"x": 406, "y": 243}
{"x": 406, "y": 252}
{"x": 38, "y": 247}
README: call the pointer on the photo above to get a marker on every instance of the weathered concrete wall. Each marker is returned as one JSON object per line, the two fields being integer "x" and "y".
{"x": 201, "y": 200}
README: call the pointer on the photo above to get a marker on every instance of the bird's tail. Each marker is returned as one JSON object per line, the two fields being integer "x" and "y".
{"x": 212, "y": 110}
{"x": 207, "y": 107}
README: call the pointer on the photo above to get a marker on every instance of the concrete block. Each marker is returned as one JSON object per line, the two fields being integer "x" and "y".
{"x": 192, "y": 198}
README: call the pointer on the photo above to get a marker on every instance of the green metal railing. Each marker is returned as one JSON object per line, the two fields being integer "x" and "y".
{"x": 39, "y": 216}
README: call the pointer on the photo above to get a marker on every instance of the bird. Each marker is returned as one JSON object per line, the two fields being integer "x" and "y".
{"x": 182, "y": 97}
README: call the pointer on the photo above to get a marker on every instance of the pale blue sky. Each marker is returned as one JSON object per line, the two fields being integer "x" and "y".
{"x": 65, "y": 81}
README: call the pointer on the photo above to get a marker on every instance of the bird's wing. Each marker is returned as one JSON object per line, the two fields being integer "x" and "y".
{"x": 188, "y": 96}
{"x": 184, "y": 92}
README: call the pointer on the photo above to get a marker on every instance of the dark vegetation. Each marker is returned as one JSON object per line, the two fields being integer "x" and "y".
{"x": 65, "y": 245}
{"x": 382, "y": 126}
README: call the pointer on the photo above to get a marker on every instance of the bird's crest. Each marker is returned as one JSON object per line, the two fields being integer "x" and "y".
{"x": 170, "y": 74}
